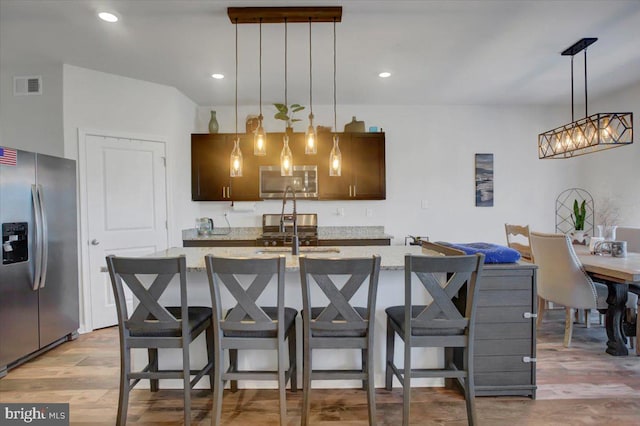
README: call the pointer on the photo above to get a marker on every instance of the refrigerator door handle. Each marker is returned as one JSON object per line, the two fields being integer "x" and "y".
{"x": 37, "y": 238}
{"x": 45, "y": 237}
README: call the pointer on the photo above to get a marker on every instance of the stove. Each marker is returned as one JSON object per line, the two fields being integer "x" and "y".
{"x": 271, "y": 235}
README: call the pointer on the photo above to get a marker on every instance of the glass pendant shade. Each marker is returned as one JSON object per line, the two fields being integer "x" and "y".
{"x": 286, "y": 159}
{"x": 311, "y": 140}
{"x": 235, "y": 161}
{"x": 335, "y": 159}
{"x": 260, "y": 141}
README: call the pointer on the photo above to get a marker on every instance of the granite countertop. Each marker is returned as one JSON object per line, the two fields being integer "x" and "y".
{"x": 352, "y": 232}
{"x": 324, "y": 233}
{"x": 224, "y": 233}
{"x": 392, "y": 257}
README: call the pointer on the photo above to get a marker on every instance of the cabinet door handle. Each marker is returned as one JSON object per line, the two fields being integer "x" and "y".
{"x": 354, "y": 190}
{"x": 529, "y": 359}
{"x": 228, "y": 192}
{"x": 529, "y": 315}
{"x": 224, "y": 188}
{"x": 350, "y": 191}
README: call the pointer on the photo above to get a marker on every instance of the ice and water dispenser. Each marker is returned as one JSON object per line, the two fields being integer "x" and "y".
{"x": 15, "y": 242}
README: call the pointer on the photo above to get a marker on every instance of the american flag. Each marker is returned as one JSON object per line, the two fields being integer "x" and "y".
{"x": 8, "y": 156}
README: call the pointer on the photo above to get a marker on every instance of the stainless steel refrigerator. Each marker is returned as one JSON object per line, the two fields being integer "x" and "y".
{"x": 39, "y": 300}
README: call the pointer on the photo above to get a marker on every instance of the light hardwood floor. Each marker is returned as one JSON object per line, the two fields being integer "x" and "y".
{"x": 576, "y": 386}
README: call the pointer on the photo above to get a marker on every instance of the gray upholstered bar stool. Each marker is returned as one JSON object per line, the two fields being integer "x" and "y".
{"x": 248, "y": 326}
{"x": 439, "y": 324}
{"x": 331, "y": 322}
{"x": 153, "y": 326}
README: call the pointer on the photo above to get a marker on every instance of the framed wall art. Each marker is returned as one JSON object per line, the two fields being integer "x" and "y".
{"x": 484, "y": 180}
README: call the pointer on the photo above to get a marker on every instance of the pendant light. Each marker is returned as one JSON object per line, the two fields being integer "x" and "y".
{"x": 592, "y": 133}
{"x": 311, "y": 137}
{"x": 335, "y": 158}
{"x": 260, "y": 137}
{"x": 235, "y": 160}
{"x": 286, "y": 159}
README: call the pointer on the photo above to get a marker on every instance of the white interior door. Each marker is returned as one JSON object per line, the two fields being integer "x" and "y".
{"x": 126, "y": 210}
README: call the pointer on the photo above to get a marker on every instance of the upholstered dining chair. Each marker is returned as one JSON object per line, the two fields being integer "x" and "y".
{"x": 250, "y": 326}
{"x": 438, "y": 324}
{"x": 330, "y": 321}
{"x": 563, "y": 280}
{"x": 152, "y": 325}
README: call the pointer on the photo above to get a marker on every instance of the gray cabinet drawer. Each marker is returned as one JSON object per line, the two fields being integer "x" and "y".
{"x": 521, "y": 347}
{"x": 514, "y": 330}
{"x": 506, "y": 282}
{"x": 485, "y": 364}
{"x": 505, "y": 297}
{"x": 509, "y": 378}
{"x": 502, "y": 314}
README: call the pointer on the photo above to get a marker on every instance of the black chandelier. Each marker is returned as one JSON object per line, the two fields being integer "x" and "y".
{"x": 592, "y": 133}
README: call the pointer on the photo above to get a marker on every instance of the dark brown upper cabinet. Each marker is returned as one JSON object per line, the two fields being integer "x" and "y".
{"x": 363, "y": 166}
{"x": 210, "y": 180}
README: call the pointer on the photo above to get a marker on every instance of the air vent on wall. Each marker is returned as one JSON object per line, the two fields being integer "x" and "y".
{"x": 27, "y": 85}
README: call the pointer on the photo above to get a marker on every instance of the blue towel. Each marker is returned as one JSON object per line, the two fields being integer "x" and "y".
{"x": 493, "y": 253}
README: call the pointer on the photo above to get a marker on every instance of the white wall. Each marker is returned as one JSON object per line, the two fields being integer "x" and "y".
{"x": 430, "y": 156}
{"x": 105, "y": 102}
{"x": 613, "y": 176}
{"x": 32, "y": 122}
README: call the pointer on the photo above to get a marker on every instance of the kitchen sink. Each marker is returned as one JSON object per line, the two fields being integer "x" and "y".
{"x": 268, "y": 250}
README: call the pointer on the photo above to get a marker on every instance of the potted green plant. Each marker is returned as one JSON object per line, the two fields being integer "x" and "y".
{"x": 577, "y": 217}
{"x": 287, "y": 113}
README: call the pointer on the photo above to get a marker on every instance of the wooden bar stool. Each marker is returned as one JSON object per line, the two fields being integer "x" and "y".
{"x": 248, "y": 326}
{"x": 153, "y": 326}
{"x": 438, "y": 324}
{"x": 333, "y": 323}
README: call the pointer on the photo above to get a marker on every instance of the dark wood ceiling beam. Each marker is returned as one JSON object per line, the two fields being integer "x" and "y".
{"x": 277, "y": 15}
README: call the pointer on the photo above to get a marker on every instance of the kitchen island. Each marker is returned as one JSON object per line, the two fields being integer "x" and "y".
{"x": 390, "y": 293}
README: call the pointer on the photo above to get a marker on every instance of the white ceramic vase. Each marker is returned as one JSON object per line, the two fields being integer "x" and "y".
{"x": 578, "y": 237}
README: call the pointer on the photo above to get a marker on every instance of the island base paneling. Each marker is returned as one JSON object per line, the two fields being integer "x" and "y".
{"x": 505, "y": 341}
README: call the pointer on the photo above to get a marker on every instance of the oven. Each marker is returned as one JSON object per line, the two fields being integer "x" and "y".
{"x": 307, "y": 224}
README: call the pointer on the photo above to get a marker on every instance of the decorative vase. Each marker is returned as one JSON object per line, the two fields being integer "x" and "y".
{"x": 354, "y": 126}
{"x": 607, "y": 232}
{"x": 213, "y": 123}
{"x": 578, "y": 237}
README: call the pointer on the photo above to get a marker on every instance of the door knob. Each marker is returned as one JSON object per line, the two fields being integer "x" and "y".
{"x": 95, "y": 242}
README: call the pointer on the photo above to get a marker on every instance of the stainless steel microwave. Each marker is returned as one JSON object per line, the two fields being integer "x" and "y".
{"x": 304, "y": 181}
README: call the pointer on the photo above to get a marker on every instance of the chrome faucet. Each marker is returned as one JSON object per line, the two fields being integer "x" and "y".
{"x": 295, "y": 244}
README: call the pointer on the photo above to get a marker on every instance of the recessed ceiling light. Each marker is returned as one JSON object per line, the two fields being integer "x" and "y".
{"x": 108, "y": 17}
{"x": 217, "y": 76}
{"x": 384, "y": 74}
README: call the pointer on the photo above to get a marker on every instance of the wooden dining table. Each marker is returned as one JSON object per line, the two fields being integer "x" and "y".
{"x": 617, "y": 273}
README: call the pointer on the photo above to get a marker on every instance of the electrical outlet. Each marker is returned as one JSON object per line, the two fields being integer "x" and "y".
{"x": 368, "y": 212}
{"x": 340, "y": 211}
{"x": 424, "y": 204}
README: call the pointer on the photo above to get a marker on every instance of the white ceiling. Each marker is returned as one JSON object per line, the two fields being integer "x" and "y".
{"x": 439, "y": 52}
